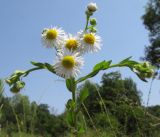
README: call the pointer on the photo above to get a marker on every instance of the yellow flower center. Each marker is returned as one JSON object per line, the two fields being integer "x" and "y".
{"x": 89, "y": 38}
{"x": 71, "y": 44}
{"x": 51, "y": 34}
{"x": 68, "y": 62}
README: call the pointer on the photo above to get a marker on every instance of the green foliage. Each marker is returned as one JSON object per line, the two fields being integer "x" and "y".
{"x": 71, "y": 84}
{"x": 151, "y": 19}
{"x": 19, "y": 112}
{"x": 118, "y": 107}
{"x": 114, "y": 107}
{"x": 139, "y": 69}
{"x": 83, "y": 95}
{"x": 15, "y": 80}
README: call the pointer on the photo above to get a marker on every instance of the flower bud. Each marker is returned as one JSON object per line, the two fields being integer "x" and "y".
{"x": 20, "y": 84}
{"x": 88, "y": 13}
{"x": 92, "y": 7}
{"x": 150, "y": 73}
{"x": 93, "y": 22}
{"x": 146, "y": 64}
{"x": 93, "y": 30}
{"x": 17, "y": 86}
{"x": 14, "y": 89}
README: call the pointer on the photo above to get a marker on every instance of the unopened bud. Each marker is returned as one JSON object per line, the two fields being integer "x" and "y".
{"x": 92, "y": 7}
{"x": 150, "y": 73}
{"x": 94, "y": 30}
{"x": 17, "y": 86}
{"x": 88, "y": 13}
{"x": 14, "y": 89}
{"x": 93, "y": 21}
{"x": 146, "y": 64}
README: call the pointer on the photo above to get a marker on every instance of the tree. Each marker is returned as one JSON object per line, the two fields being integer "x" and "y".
{"x": 115, "y": 106}
{"x": 151, "y": 20}
{"x": 1, "y": 98}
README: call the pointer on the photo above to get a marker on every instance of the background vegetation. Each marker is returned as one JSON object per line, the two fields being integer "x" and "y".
{"x": 113, "y": 108}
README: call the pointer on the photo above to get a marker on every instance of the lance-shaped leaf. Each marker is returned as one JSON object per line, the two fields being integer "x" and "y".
{"x": 70, "y": 104}
{"x": 49, "y": 67}
{"x": 128, "y": 63}
{"x": 102, "y": 65}
{"x": 83, "y": 94}
{"x": 98, "y": 67}
{"x": 70, "y": 118}
{"x": 14, "y": 81}
{"x": 71, "y": 84}
{"x": 38, "y": 64}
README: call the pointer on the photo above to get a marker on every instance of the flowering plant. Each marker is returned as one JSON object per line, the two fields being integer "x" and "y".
{"x": 69, "y": 60}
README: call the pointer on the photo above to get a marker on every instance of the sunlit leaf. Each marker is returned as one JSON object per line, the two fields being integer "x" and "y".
{"x": 37, "y": 64}
{"x": 49, "y": 67}
{"x": 98, "y": 67}
{"x": 70, "y": 118}
{"x": 102, "y": 65}
{"x": 71, "y": 84}
{"x": 83, "y": 94}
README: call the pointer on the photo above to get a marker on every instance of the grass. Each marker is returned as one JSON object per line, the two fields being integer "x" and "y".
{"x": 4, "y": 134}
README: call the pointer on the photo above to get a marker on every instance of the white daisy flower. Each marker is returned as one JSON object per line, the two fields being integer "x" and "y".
{"x": 72, "y": 43}
{"x": 90, "y": 41}
{"x": 68, "y": 64}
{"x": 53, "y": 37}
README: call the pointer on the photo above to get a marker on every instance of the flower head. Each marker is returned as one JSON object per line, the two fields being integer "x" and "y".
{"x": 68, "y": 64}
{"x": 90, "y": 41}
{"x": 53, "y": 37}
{"x": 72, "y": 43}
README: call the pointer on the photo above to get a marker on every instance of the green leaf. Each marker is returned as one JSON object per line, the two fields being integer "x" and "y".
{"x": 49, "y": 67}
{"x": 71, "y": 84}
{"x": 142, "y": 78}
{"x": 125, "y": 60}
{"x": 90, "y": 75}
{"x": 37, "y": 64}
{"x": 19, "y": 72}
{"x": 70, "y": 104}
{"x": 81, "y": 129}
{"x": 102, "y": 65}
{"x": 84, "y": 94}
{"x": 70, "y": 118}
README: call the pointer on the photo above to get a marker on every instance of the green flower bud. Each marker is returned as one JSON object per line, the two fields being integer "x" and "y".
{"x": 94, "y": 30}
{"x": 137, "y": 67}
{"x": 146, "y": 64}
{"x": 93, "y": 22}
{"x": 14, "y": 89}
{"x": 20, "y": 84}
{"x": 150, "y": 73}
{"x": 142, "y": 75}
{"x": 17, "y": 86}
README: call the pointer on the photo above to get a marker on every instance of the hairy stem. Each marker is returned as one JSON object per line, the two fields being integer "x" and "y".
{"x": 87, "y": 21}
{"x": 75, "y": 114}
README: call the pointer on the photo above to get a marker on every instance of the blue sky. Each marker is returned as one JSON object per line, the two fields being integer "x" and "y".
{"x": 119, "y": 25}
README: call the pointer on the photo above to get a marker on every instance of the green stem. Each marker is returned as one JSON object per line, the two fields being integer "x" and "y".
{"x": 75, "y": 114}
{"x": 33, "y": 69}
{"x": 87, "y": 21}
